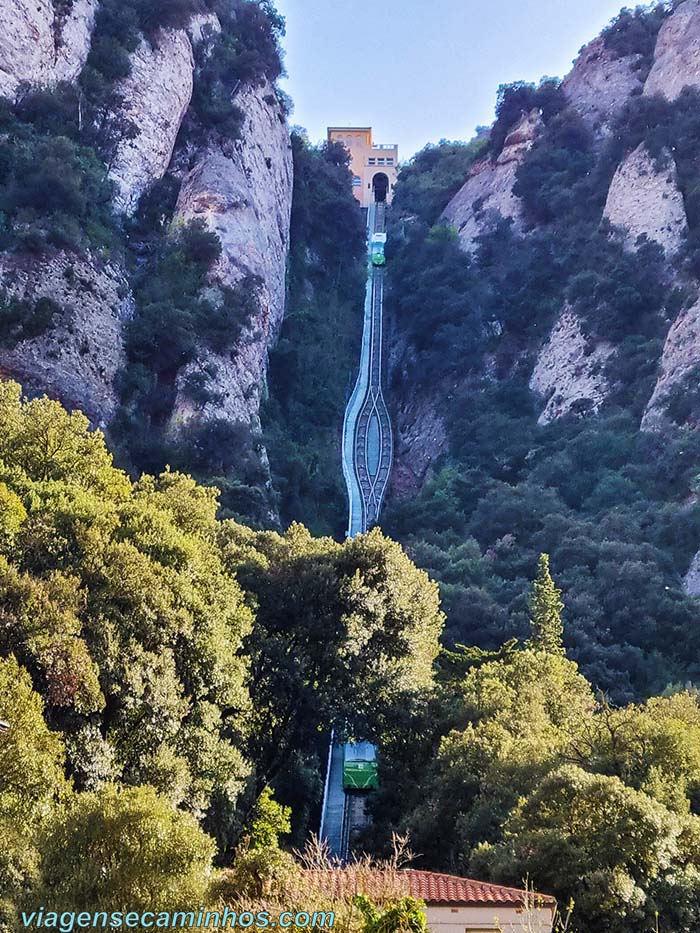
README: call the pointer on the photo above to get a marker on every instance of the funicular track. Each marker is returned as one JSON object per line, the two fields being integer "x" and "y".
{"x": 367, "y": 436}
{"x": 367, "y": 460}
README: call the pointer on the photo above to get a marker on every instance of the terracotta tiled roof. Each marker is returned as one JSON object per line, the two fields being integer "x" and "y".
{"x": 431, "y": 887}
{"x": 434, "y": 888}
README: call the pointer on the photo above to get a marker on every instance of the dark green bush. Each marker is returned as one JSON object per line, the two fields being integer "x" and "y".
{"x": 554, "y": 179}
{"x": 247, "y": 51}
{"x": 519, "y": 98}
{"x": 174, "y": 14}
{"x": 53, "y": 192}
{"x": 51, "y": 113}
{"x": 21, "y": 319}
{"x": 683, "y": 402}
{"x": 434, "y": 175}
{"x": 222, "y": 324}
{"x": 634, "y": 32}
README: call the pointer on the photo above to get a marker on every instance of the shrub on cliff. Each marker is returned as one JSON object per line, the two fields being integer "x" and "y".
{"x": 434, "y": 175}
{"x": 634, "y": 32}
{"x": 246, "y": 51}
{"x": 519, "y": 98}
{"x": 53, "y": 191}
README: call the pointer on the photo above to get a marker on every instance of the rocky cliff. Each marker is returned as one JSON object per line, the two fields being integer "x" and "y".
{"x": 572, "y": 368}
{"x": 644, "y": 200}
{"x": 569, "y": 375}
{"x": 601, "y": 82}
{"x": 242, "y": 190}
{"x": 677, "y": 55}
{"x": 42, "y": 43}
{"x": 239, "y": 183}
{"x": 81, "y": 352}
{"x": 156, "y": 96}
{"x": 488, "y": 192}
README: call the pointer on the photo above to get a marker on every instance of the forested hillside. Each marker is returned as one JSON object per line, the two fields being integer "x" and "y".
{"x": 544, "y": 283}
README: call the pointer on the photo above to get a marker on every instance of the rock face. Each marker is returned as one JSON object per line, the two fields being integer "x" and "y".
{"x": 421, "y": 440}
{"x": 691, "y": 581}
{"x": 569, "y": 372}
{"x": 40, "y": 45}
{"x": 202, "y": 27}
{"x": 77, "y": 359}
{"x": 681, "y": 356}
{"x": 645, "y": 199}
{"x": 242, "y": 190}
{"x": 487, "y": 194}
{"x": 156, "y": 96}
{"x": 677, "y": 55}
{"x": 600, "y": 83}
{"x": 73, "y": 33}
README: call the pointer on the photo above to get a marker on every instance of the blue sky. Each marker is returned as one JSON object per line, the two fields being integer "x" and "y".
{"x": 448, "y": 58}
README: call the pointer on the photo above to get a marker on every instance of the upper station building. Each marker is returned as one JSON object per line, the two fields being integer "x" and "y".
{"x": 374, "y": 166}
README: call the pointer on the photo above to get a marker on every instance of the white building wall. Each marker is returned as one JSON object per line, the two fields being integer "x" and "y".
{"x": 478, "y": 919}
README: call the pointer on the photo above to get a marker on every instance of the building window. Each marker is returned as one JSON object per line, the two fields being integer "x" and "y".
{"x": 389, "y": 161}
{"x": 380, "y": 161}
{"x": 356, "y": 181}
{"x": 372, "y": 161}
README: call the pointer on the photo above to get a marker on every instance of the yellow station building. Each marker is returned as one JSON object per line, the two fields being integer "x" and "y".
{"x": 374, "y": 166}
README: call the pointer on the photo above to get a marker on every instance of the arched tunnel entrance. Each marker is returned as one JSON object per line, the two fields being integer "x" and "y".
{"x": 380, "y": 187}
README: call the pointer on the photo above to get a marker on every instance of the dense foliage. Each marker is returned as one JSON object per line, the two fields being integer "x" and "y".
{"x": 519, "y": 99}
{"x": 245, "y": 51}
{"x": 524, "y": 774}
{"x": 143, "y": 626}
{"x": 634, "y": 32}
{"x": 593, "y": 492}
{"x": 116, "y": 600}
{"x": 434, "y": 175}
{"x": 53, "y": 191}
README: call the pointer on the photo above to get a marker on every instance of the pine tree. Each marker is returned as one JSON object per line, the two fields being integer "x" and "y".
{"x": 546, "y": 607}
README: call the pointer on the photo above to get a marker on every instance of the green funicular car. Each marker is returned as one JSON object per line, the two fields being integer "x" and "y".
{"x": 360, "y": 767}
{"x": 378, "y": 244}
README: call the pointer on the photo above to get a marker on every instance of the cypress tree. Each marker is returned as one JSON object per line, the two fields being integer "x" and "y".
{"x": 546, "y": 626}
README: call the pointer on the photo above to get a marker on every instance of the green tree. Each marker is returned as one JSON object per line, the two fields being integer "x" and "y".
{"x": 31, "y": 782}
{"x": 344, "y": 633}
{"x": 653, "y": 747}
{"x": 607, "y": 845}
{"x": 269, "y": 821}
{"x": 403, "y": 915}
{"x": 546, "y": 607}
{"x": 261, "y": 868}
{"x": 434, "y": 175}
{"x": 124, "y": 849}
{"x": 517, "y": 716}
{"x": 115, "y": 598}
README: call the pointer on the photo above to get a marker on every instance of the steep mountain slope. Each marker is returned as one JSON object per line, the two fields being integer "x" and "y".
{"x": 545, "y": 356}
{"x": 150, "y": 297}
